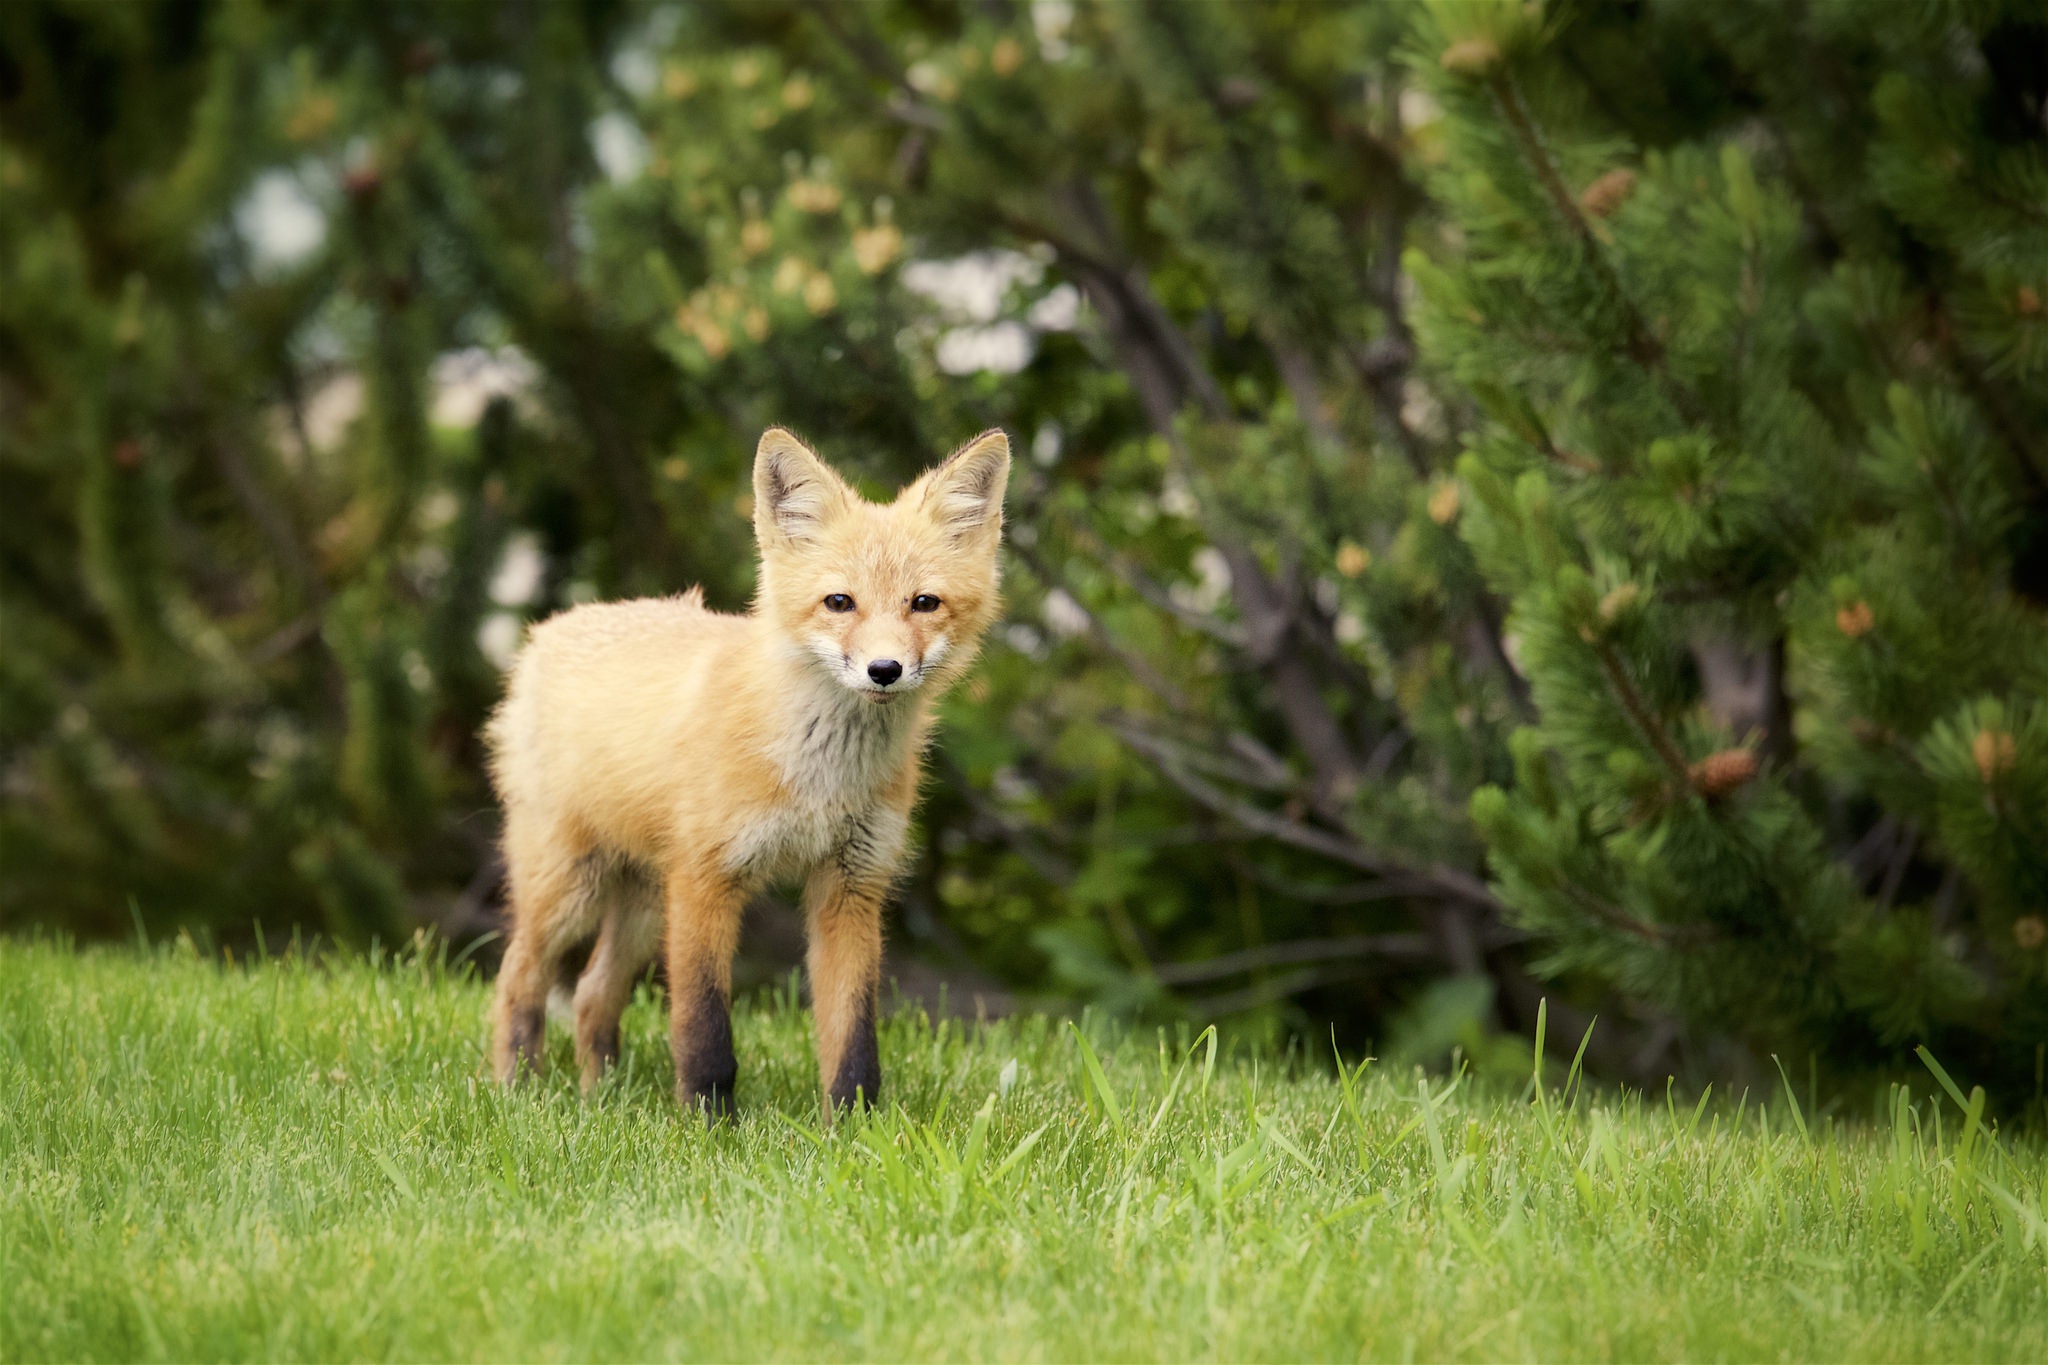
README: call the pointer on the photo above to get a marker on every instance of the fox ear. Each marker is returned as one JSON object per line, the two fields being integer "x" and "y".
{"x": 965, "y": 494}
{"x": 795, "y": 494}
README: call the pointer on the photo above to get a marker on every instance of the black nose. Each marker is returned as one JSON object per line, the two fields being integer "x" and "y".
{"x": 885, "y": 671}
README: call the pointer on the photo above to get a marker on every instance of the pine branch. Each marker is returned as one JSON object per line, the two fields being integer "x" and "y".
{"x": 1144, "y": 585}
{"x": 874, "y": 57}
{"x": 1297, "y": 952}
{"x": 287, "y": 546}
{"x": 1262, "y": 993}
{"x": 1347, "y": 893}
{"x": 1633, "y": 702}
{"x": 1164, "y": 370}
{"x": 1616, "y": 918}
{"x": 1050, "y": 865}
{"x": 2011, "y": 428}
{"x": 1895, "y": 873}
{"x": 1280, "y": 781}
{"x": 1434, "y": 879}
{"x": 1493, "y": 637}
{"x": 1138, "y": 666}
{"x": 1642, "y": 344}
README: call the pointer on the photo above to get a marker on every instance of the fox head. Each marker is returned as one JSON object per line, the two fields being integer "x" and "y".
{"x": 888, "y": 599}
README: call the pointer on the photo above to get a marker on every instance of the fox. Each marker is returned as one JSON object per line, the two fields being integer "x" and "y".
{"x": 658, "y": 763}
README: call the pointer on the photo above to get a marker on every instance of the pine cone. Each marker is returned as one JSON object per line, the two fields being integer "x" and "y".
{"x": 1471, "y": 57}
{"x": 1239, "y": 92}
{"x": 1995, "y": 751}
{"x": 1608, "y": 193}
{"x": 1718, "y": 774}
{"x": 2028, "y": 301}
{"x": 363, "y": 183}
{"x": 421, "y": 57}
{"x": 1443, "y": 503}
{"x": 2029, "y": 932}
{"x": 314, "y": 116}
{"x": 1618, "y": 600}
{"x": 1855, "y": 619}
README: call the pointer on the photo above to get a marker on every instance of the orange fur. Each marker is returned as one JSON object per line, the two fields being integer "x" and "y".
{"x": 659, "y": 762}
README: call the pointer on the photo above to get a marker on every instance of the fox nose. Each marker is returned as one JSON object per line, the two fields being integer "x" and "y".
{"x": 884, "y": 671}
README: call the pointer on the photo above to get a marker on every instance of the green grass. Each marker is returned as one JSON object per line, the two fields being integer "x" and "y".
{"x": 284, "y": 1160}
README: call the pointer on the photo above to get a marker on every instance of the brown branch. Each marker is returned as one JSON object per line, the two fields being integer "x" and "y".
{"x": 1643, "y": 346}
{"x": 1164, "y": 371}
{"x": 1493, "y": 639}
{"x": 1902, "y": 858}
{"x": 1139, "y": 667}
{"x": 1638, "y": 709}
{"x": 1045, "y": 862}
{"x": 1167, "y": 375}
{"x": 1298, "y": 372}
{"x": 1435, "y": 879}
{"x": 2011, "y": 428}
{"x": 1347, "y": 893}
{"x": 1137, "y": 580}
{"x": 1159, "y": 360}
{"x": 874, "y": 57}
{"x": 1382, "y": 380}
{"x": 1210, "y": 763}
{"x": 275, "y": 524}
{"x": 1266, "y": 992}
{"x": 1870, "y": 852}
{"x": 285, "y": 639}
{"x": 1297, "y": 952}
{"x": 1780, "y": 745}
{"x": 1614, "y": 917}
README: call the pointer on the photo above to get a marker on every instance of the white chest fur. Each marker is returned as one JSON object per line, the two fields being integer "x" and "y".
{"x": 836, "y": 754}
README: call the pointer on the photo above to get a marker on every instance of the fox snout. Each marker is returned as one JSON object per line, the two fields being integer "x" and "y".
{"x": 889, "y": 669}
{"x": 881, "y": 658}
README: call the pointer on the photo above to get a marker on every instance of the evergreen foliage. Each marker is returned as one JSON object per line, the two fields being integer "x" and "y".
{"x": 1761, "y": 401}
{"x": 1654, "y": 621}
{"x": 246, "y": 565}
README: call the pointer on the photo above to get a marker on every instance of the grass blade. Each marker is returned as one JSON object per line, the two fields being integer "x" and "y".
{"x": 1098, "y": 1079}
{"x": 1955, "y": 1091}
{"x": 1798, "y": 1119}
{"x": 1018, "y": 1153}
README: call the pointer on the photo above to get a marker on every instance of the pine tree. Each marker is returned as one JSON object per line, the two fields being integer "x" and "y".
{"x": 241, "y": 681}
{"x": 1759, "y": 476}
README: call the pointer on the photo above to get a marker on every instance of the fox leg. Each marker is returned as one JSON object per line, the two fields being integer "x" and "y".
{"x": 626, "y": 943}
{"x": 703, "y": 933}
{"x": 843, "y": 919}
{"x": 552, "y": 882}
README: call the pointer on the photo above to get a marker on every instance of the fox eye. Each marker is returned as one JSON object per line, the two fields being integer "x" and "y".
{"x": 838, "y": 601}
{"x": 924, "y": 601}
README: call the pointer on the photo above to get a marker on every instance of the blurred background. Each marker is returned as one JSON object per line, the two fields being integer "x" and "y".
{"x": 1513, "y": 500}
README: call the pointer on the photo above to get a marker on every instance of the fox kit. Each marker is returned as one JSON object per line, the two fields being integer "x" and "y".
{"x": 659, "y": 762}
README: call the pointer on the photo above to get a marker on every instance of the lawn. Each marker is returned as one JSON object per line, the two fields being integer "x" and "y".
{"x": 284, "y": 1160}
